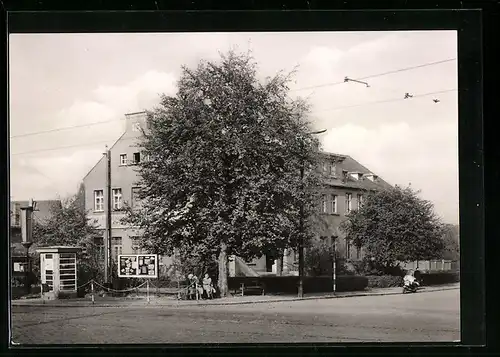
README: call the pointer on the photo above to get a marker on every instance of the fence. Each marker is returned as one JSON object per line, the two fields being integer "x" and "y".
{"x": 431, "y": 265}
{"x": 92, "y": 290}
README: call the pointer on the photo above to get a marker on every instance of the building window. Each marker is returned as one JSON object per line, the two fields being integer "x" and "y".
{"x": 123, "y": 159}
{"x": 348, "y": 202}
{"x": 116, "y": 245}
{"x": 325, "y": 167}
{"x": 360, "y": 201}
{"x": 117, "y": 198}
{"x": 333, "y": 169}
{"x": 98, "y": 200}
{"x": 348, "y": 249}
{"x": 137, "y": 157}
{"x": 135, "y": 245}
{"x": 99, "y": 244}
{"x": 333, "y": 204}
{"x": 17, "y": 215}
{"x": 135, "y": 197}
{"x": 324, "y": 204}
{"x": 358, "y": 252}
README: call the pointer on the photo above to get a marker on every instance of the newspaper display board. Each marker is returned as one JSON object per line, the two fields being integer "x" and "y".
{"x": 138, "y": 266}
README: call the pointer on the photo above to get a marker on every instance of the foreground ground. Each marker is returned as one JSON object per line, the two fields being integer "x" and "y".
{"x": 432, "y": 316}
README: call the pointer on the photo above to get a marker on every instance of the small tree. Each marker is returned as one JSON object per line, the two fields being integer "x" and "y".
{"x": 395, "y": 225}
{"x": 69, "y": 225}
{"x": 451, "y": 243}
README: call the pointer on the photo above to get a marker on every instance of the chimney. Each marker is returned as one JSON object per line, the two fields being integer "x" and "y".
{"x": 134, "y": 122}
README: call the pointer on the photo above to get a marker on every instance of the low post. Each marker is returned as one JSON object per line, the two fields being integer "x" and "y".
{"x": 92, "y": 291}
{"x": 334, "y": 264}
{"x": 147, "y": 289}
{"x": 196, "y": 289}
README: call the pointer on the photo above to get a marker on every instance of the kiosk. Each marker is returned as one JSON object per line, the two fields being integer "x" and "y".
{"x": 58, "y": 271}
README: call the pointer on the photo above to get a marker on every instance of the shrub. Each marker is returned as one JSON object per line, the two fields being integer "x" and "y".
{"x": 440, "y": 278}
{"x": 384, "y": 281}
{"x": 371, "y": 268}
{"x": 289, "y": 284}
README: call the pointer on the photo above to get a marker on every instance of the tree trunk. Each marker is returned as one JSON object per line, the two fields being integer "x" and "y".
{"x": 279, "y": 264}
{"x": 222, "y": 283}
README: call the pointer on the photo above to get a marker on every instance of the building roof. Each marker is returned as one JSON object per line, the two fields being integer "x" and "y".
{"x": 102, "y": 158}
{"x": 350, "y": 165}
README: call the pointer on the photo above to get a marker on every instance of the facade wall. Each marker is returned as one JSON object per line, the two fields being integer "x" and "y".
{"x": 124, "y": 176}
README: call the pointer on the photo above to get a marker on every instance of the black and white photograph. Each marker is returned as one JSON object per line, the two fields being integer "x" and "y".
{"x": 234, "y": 187}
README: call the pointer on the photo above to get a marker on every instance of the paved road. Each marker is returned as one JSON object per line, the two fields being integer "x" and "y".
{"x": 396, "y": 318}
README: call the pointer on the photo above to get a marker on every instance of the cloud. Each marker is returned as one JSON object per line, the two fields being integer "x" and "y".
{"x": 49, "y": 177}
{"x": 424, "y": 155}
{"x": 57, "y": 173}
{"x": 140, "y": 94}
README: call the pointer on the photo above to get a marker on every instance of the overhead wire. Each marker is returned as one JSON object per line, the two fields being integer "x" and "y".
{"x": 299, "y": 89}
{"x": 377, "y": 75}
{"x": 416, "y": 96}
{"x": 70, "y": 146}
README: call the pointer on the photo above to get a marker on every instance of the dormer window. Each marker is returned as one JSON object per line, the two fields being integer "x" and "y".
{"x": 136, "y": 127}
{"x": 325, "y": 167}
{"x": 356, "y": 175}
{"x": 333, "y": 169}
{"x": 371, "y": 177}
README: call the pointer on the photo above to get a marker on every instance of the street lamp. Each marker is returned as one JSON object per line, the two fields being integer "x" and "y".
{"x": 301, "y": 227}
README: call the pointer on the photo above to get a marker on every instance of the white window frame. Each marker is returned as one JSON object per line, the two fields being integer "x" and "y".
{"x": 136, "y": 201}
{"x": 333, "y": 169}
{"x": 117, "y": 198}
{"x": 360, "y": 200}
{"x": 98, "y": 201}
{"x": 348, "y": 202}
{"x": 123, "y": 160}
{"x": 324, "y": 203}
{"x": 333, "y": 203}
{"x": 326, "y": 168}
{"x": 117, "y": 249}
{"x": 136, "y": 249}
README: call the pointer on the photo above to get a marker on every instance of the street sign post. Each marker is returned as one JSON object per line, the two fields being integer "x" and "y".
{"x": 138, "y": 266}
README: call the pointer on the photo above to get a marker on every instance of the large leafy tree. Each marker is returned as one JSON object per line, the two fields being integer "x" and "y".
{"x": 223, "y": 173}
{"x": 69, "y": 225}
{"x": 395, "y": 225}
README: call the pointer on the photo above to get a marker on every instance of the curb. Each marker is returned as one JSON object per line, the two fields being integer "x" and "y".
{"x": 226, "y": 303}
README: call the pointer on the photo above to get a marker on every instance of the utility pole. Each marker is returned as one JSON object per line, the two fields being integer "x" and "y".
{"x": 301, "y": 228}
{"x": 27, "y": 238}
{"x": 301, "y": 239}
{"x": 107, "y": 255}
{"x": 108, "y": 218}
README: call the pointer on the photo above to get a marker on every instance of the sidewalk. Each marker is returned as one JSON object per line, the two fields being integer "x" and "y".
{"x": 234, "y": 300}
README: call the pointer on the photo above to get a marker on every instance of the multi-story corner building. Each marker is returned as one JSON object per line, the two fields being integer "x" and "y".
{"x": 346, "y": 183}
{"x": 125, "y": 155}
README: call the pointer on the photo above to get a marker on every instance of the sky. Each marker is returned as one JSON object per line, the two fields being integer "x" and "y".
{"x": 90, "y": 81}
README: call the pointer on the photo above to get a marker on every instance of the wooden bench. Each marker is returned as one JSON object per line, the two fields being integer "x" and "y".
{"x": 252, "y": 286}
